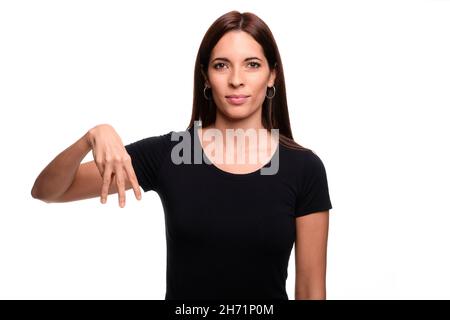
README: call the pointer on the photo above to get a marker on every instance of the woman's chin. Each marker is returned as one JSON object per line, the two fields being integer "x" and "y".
{"x": 237, "y": 113}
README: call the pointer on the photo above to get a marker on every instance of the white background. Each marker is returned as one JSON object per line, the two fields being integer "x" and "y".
{"x": 368, "y": 85}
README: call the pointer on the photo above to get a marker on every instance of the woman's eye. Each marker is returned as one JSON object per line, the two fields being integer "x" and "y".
{"x": 255, "y": 64}
{"x": 218, "y": 64}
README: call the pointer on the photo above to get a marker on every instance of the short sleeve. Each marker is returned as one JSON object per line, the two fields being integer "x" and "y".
{"x": 147, "y": 156}
{"x": 312, "y": 194}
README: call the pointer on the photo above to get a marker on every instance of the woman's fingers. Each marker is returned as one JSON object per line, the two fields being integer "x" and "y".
{"x": 133, "y": 180}
{"x": 113, "y": 162}
{"x": 120, "y": 182}
{"x": 120, "y": 175}
{"x": 106, "y": 183}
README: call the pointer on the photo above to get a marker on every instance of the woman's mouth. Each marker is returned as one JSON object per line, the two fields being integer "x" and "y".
{"x": 237, "y": 99}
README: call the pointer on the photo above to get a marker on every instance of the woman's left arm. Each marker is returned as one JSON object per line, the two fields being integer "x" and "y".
{"x": 311, "y": 256}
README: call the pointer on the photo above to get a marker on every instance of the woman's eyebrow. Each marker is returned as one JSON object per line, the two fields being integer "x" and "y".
{"x": 228, "y": 60}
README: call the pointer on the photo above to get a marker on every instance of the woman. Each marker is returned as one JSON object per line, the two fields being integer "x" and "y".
{"x": 229, "y": 227}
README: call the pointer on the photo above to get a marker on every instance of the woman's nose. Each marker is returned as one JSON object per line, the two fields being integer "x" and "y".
{"x": 236, "y": 79}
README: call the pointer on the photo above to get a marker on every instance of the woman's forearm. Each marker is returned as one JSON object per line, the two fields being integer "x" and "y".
{"x": 58, "y": 175}
{"x": 318, "y": 295}
{"x": 311, "y": 291}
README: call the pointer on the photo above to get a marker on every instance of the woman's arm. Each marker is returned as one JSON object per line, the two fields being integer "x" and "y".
{"x": 64, "y": 179}
{"x": 311, "y": 256}
{"x": 59, "y": 174}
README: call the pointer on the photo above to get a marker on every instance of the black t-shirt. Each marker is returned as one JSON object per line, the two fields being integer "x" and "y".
{"x": 229, "y": 236}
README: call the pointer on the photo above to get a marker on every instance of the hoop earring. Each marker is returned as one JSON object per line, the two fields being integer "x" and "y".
{"x": 274, "y": 91}
{"x": 204, "y": 93}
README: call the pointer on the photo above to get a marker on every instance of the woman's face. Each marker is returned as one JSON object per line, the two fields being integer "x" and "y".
{"x": 238, "y": 67}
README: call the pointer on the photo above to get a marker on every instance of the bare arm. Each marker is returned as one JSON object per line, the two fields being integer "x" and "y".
{"x": 59, "y": 174}
{"x": 64, "y": 179}
{"x": 311, "y": 256}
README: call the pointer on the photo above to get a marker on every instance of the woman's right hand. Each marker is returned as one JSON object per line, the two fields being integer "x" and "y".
{"x": 112, "y": 161}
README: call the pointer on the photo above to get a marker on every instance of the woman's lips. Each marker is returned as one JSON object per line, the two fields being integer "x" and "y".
{"x": 237, "y": 100}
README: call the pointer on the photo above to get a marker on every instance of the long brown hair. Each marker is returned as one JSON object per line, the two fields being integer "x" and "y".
{"x": 275, "y": 113}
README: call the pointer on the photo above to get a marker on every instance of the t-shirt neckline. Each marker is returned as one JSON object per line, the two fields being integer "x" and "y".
{"x": 227, "y": 173}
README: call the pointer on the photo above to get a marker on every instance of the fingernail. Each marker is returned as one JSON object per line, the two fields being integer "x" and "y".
{"x": 103, "y": 200}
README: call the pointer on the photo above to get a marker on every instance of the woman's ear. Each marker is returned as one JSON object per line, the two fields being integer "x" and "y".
{"x": 272, "y": 77}
{"x": 205, "y": 77}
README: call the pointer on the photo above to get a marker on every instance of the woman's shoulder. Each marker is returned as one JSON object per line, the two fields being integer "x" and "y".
{"x": 302, "y": 159}
{"x": 157, "y": 143}
{"x": 299, "y": 153}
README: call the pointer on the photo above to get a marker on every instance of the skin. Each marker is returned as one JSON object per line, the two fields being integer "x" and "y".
{"x": 64, "y": 179}
{"x": 113, "y": 162}
{"x": 311, "y": 256}
{"x": 236, "y": 75}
